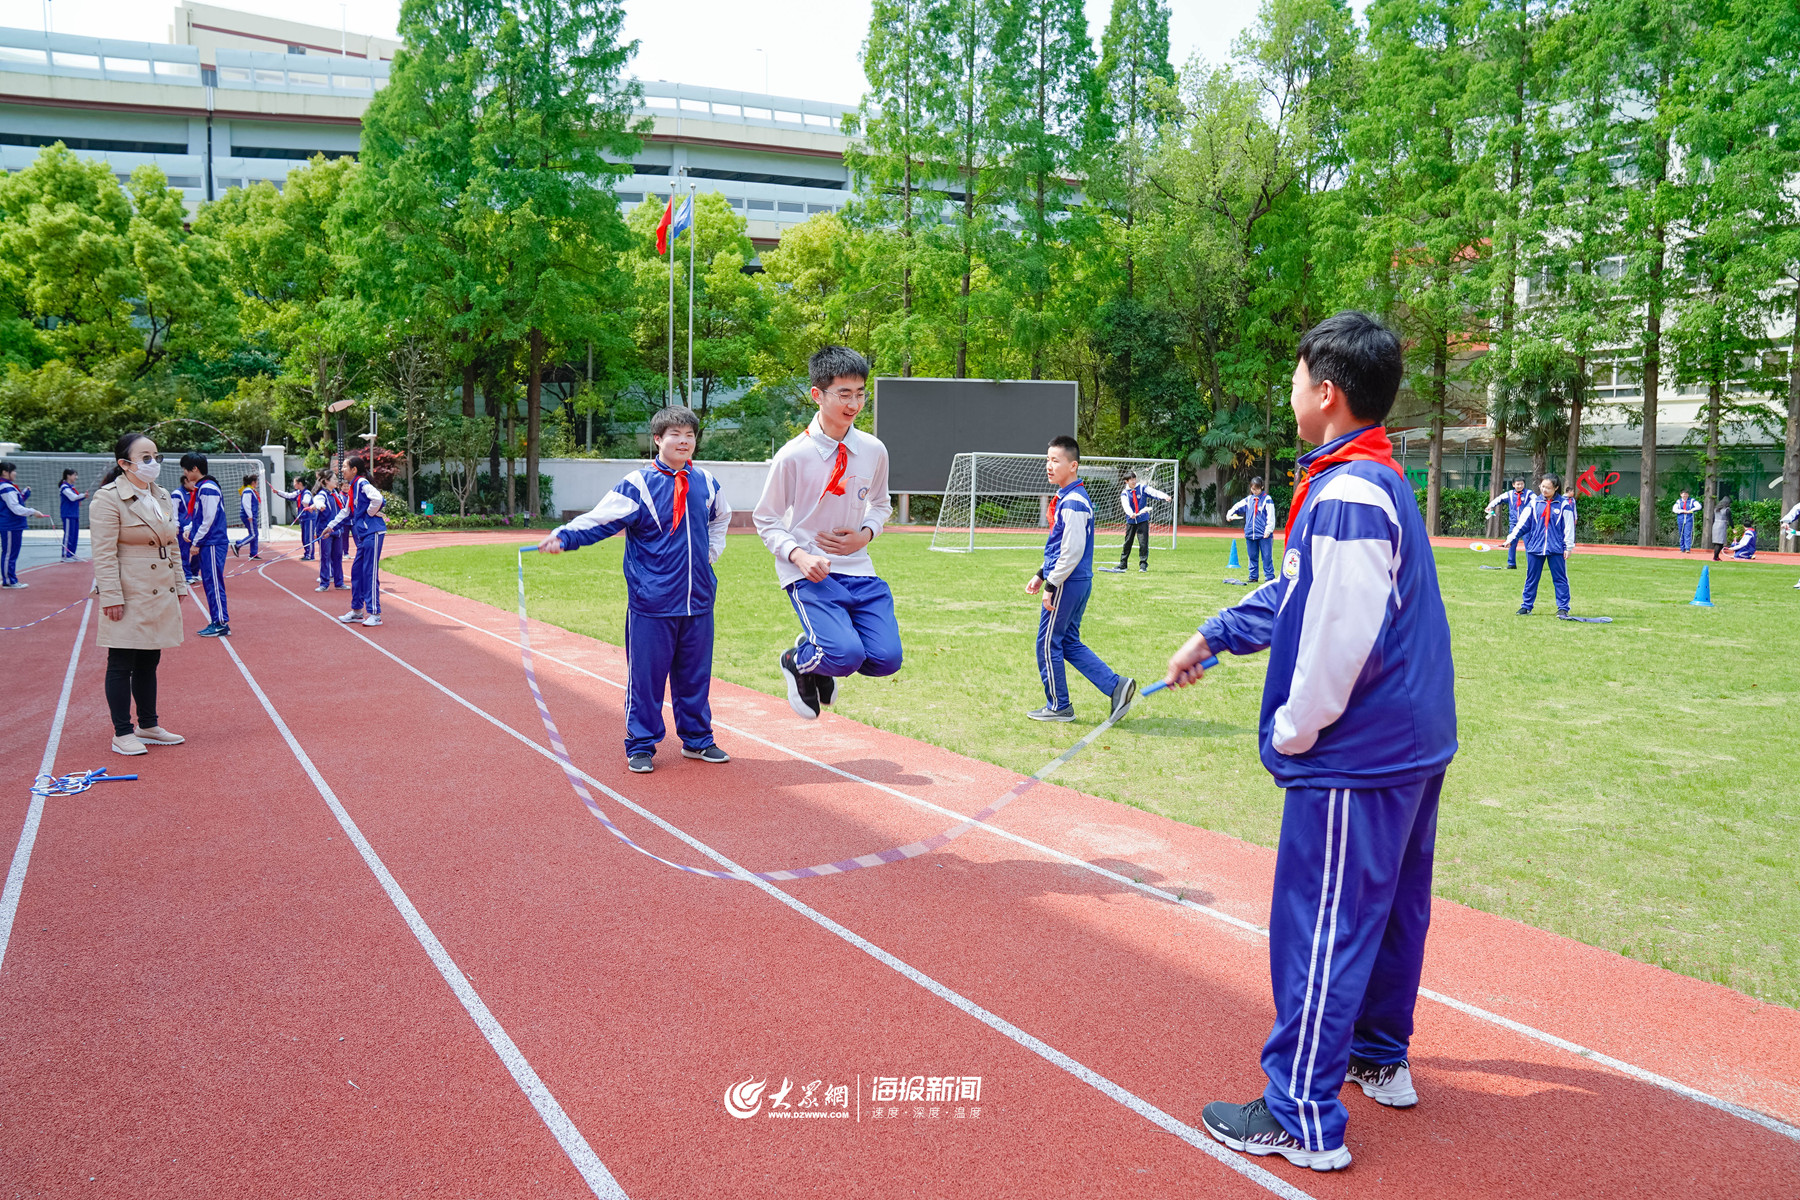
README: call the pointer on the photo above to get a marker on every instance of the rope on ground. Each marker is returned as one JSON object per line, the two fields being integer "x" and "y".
{"x": 879, "y": 858}
{"x": 75, "y": 782}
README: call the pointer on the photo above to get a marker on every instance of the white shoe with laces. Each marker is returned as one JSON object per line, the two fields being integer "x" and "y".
{"x": 372, "y": 620}
{"x": 352, "y": 617}
{"x": 1384, "y": 1083}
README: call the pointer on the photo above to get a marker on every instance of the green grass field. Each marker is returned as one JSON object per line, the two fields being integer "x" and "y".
{"x": 1631, "y": 785}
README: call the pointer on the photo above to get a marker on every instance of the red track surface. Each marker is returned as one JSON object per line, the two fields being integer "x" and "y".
{"x": 207, "y": 992}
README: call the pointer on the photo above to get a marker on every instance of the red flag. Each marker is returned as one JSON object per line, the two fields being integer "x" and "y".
{"x": 662, "y": 227}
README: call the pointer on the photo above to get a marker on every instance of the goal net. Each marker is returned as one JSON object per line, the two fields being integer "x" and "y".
{"x": 1002, "y": 501}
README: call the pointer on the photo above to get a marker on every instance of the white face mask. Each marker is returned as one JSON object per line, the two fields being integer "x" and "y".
{"x": 146, "y": 472}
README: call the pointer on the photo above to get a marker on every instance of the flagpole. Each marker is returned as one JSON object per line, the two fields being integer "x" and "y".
{"x": 693, "y": 230}
{"x": 671, "y": 399}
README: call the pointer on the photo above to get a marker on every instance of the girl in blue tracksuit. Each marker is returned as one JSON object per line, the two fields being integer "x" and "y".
{"x": 1066, "y": 580}
{"x": 1684, "y": 510}
{"x": 250, "y": 514}
{"x": 1546, "y": 528}
{"x": 327, "y": 502}
{"x": 674, "y": 517}
{"x": 14, "y": 516}
{"x": 1258, "y": 511}
{"x": 1745, "y": 546}
{"x": 208, "y": 541}
{"x": 1515, "y": 498}
{"x": 361, "y": 515}
{"x": 72, "y": 497}
{"x": 1358, "y": 725}
{"x": 301, "y": 499}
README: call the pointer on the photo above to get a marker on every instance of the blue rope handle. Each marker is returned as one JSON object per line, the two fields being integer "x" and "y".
{"x": 1206, "y": 664}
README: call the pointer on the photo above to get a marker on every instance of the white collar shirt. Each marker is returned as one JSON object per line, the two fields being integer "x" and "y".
{"x": 795, "y": 507}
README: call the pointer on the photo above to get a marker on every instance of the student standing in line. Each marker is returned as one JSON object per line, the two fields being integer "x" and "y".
{"x": 301, "y": 499}
{"x": 669, "y": 585}
{"x": 825, "y": 499}
{"x": 1358, "y": 725}
{"x": 13, "y": 517}
{"x": 1134, "y": 500}
{"x": 72, "y": 497}
{"x": 1258, "y": 512}
{"x": 1066, "y": 580}
{"x": 208, "y": 541}
{"x": 1515, "y": 498}
{"x": 1546, "y": 526}
{"x": 250, "y": 514}
{"x": 327, "y": 503}
{"x": 1721, "y": 530}
{"x": 140, "y": 583}
{"x": 1684, "y": 510}
{"x": 1745, "y": 546}
{"x": 185, "y": 512}
{"x": 361, "y": 515}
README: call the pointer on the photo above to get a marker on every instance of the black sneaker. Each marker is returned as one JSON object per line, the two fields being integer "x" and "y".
{"x": 1563, "y": 613}
{"x": 1123, "y": 693}
{"x": 1047, "y": 713}
{"x": 824, "y": 686}
{"x": 1512, "y": 566}
{"x": 711, "y": 754}
{"x": 1384, "y": 1083}
{"x": 1524, "y": 612}
{"x": 1252, "y": 1129}
{"x": 802, "y": 689}
{"x": 214, "y": 629}
{"x": 641, "y": 764}
{"x": 1143, "y": 566}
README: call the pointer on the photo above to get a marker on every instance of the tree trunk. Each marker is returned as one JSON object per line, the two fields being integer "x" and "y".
{"x": 1647, "y": 524}
{"x": 1434, "y": 476}
{"x": 468, "y": 396}
{"x": 1790, "y": 459}
{"x": 1497, "y": 482}
{"x": 534, "y": 422}
{"x": 511, "y": 437}
{"x": 1572, "y": 450}
{"x": 1715, "y": 403}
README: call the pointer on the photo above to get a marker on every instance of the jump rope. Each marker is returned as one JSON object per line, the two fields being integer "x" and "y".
{"x": 879, "y": 858}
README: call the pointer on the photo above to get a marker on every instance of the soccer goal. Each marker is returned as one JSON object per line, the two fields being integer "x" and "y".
{"x": 1002, "y": 501}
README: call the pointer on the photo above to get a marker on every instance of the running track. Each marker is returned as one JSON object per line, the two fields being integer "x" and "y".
{"x": 212, "y": 987}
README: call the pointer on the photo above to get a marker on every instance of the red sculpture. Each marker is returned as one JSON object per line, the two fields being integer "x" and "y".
{"x": 1590, "y": 484}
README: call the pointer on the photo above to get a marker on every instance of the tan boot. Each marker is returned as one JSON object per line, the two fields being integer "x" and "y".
{"x": 156, "y": 735}
{"x": 127, "y": 744}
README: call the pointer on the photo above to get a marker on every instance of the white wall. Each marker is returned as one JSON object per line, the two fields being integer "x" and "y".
{"x": 580, "y": 483}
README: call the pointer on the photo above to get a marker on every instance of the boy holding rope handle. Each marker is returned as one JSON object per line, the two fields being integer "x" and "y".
{"x": 674, "y": 517}
{"x": 825, "y": 500}
{"x": 1358, "y": 724}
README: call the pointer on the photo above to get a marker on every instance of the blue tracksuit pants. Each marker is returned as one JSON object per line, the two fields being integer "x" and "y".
{"x": 1684, "y": 524}
{"x": 1346, "y": 940}
{"x": 307, "y": 534}
{"x": 847, "y": 626}
{"x": 1265, "y": 547}
{"x": 209, "y": 564}
{"x": 671, "y": 651}
{"x": 252, "y": 530}
{"x": 1059, "y": 642}
{"x": 1512, "y": 553}
{"x": 1559, "y": 575}
{"x": 71, "y": 536}
{"x": 331, "y": 559}
{"x": 365, "y": 573}
{"x": 12, "y": 541}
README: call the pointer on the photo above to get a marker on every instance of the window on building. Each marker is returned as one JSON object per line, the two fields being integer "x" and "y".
{"x": 350, "y": 83}
{"x": 695, "y": 106}
{"x": 130, "y": 66}
{"x": 80, "y": 62}
{"x": 762, "y": 206}
{"x": 630, "y": 197}
{"x": 308, "y": 79}
{"x": 790, "y": 207}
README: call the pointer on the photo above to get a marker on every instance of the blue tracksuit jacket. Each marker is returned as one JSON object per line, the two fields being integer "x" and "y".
{"x": 208, "y": 524}
{"x": 1360, "y": 689}
{"x": 668, "y": 570}
{"x": 1259, "y": 515}
{"x": 1545, "y": 526}
{"x": 1074, "y": 521}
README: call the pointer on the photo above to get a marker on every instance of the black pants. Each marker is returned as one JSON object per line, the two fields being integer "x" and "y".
{"x": 131, "y": 674}
{"x": 1141, "y": 531}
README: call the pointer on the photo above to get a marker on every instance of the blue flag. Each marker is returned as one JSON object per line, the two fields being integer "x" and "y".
{"x": 684, "y": 218}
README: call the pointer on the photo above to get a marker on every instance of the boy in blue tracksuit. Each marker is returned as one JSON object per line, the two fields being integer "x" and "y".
{"x": 14, "y": 516}
{"x": 1358, "y": 725}
{"x": 1515, "y": 499}
{"x": 1745, "y": 546}
{"x": 1134, "y": 502}
{"x": 1684, "y": 510}
{"x": 208, "y": 541}
{"x": 72, "y": 497}
{"x": 249, "y": 514}
{"x": 1258, "y": 511}
{"x": 360, "y": 518}
{"x": 1546, "y": 526}
{"x": 1066, "y": 580}
{"x": 674, "y": 517}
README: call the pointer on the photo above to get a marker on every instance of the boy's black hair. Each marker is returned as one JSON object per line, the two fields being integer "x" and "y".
{"x": 1129, "y": 475}
{"x": 835, "y": 362}
{"x": 1518, "y": 479}
{"x": 1359, "y": 354}
{"x": 1067, "y": 445}
{"x": 1256, "y": 481}
{"x": 674, "y": 417}
{"x": 192, "y": 461}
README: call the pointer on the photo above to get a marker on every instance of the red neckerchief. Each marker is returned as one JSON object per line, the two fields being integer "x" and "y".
{"x": 836, "y": 485}
{"x": 193, "y": 498}
{"x": 681, "y": 489}
{"x": 1371, "y": 445}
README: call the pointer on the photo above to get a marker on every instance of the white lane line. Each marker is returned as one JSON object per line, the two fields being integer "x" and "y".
{"x": 1143, "y": 1108}
{"x": 593, "y": 1171}
{"x": 1770, "y": 1123}
{"x": 21, "y": 859}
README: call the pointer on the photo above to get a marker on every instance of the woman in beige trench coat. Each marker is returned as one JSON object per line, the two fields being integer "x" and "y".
{"x": 139, "y": 579}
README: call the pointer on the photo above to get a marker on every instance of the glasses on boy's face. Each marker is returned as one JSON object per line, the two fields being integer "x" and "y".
{"x": 846, "y": 395}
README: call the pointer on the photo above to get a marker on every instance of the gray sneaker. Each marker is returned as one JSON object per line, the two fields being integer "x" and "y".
{"x": 1123, "y": 693}
{"x": 1252, "y": 1129}
{"x": 711, "y": 754}
{"x": 641, "y": 764}
{"x": 1047, "y": 713}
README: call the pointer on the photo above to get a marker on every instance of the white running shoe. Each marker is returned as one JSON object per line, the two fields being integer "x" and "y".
{"x": 352, "y": 617}
{"x": 1384, "y": 1083}
{"x": 372, "y": 620}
